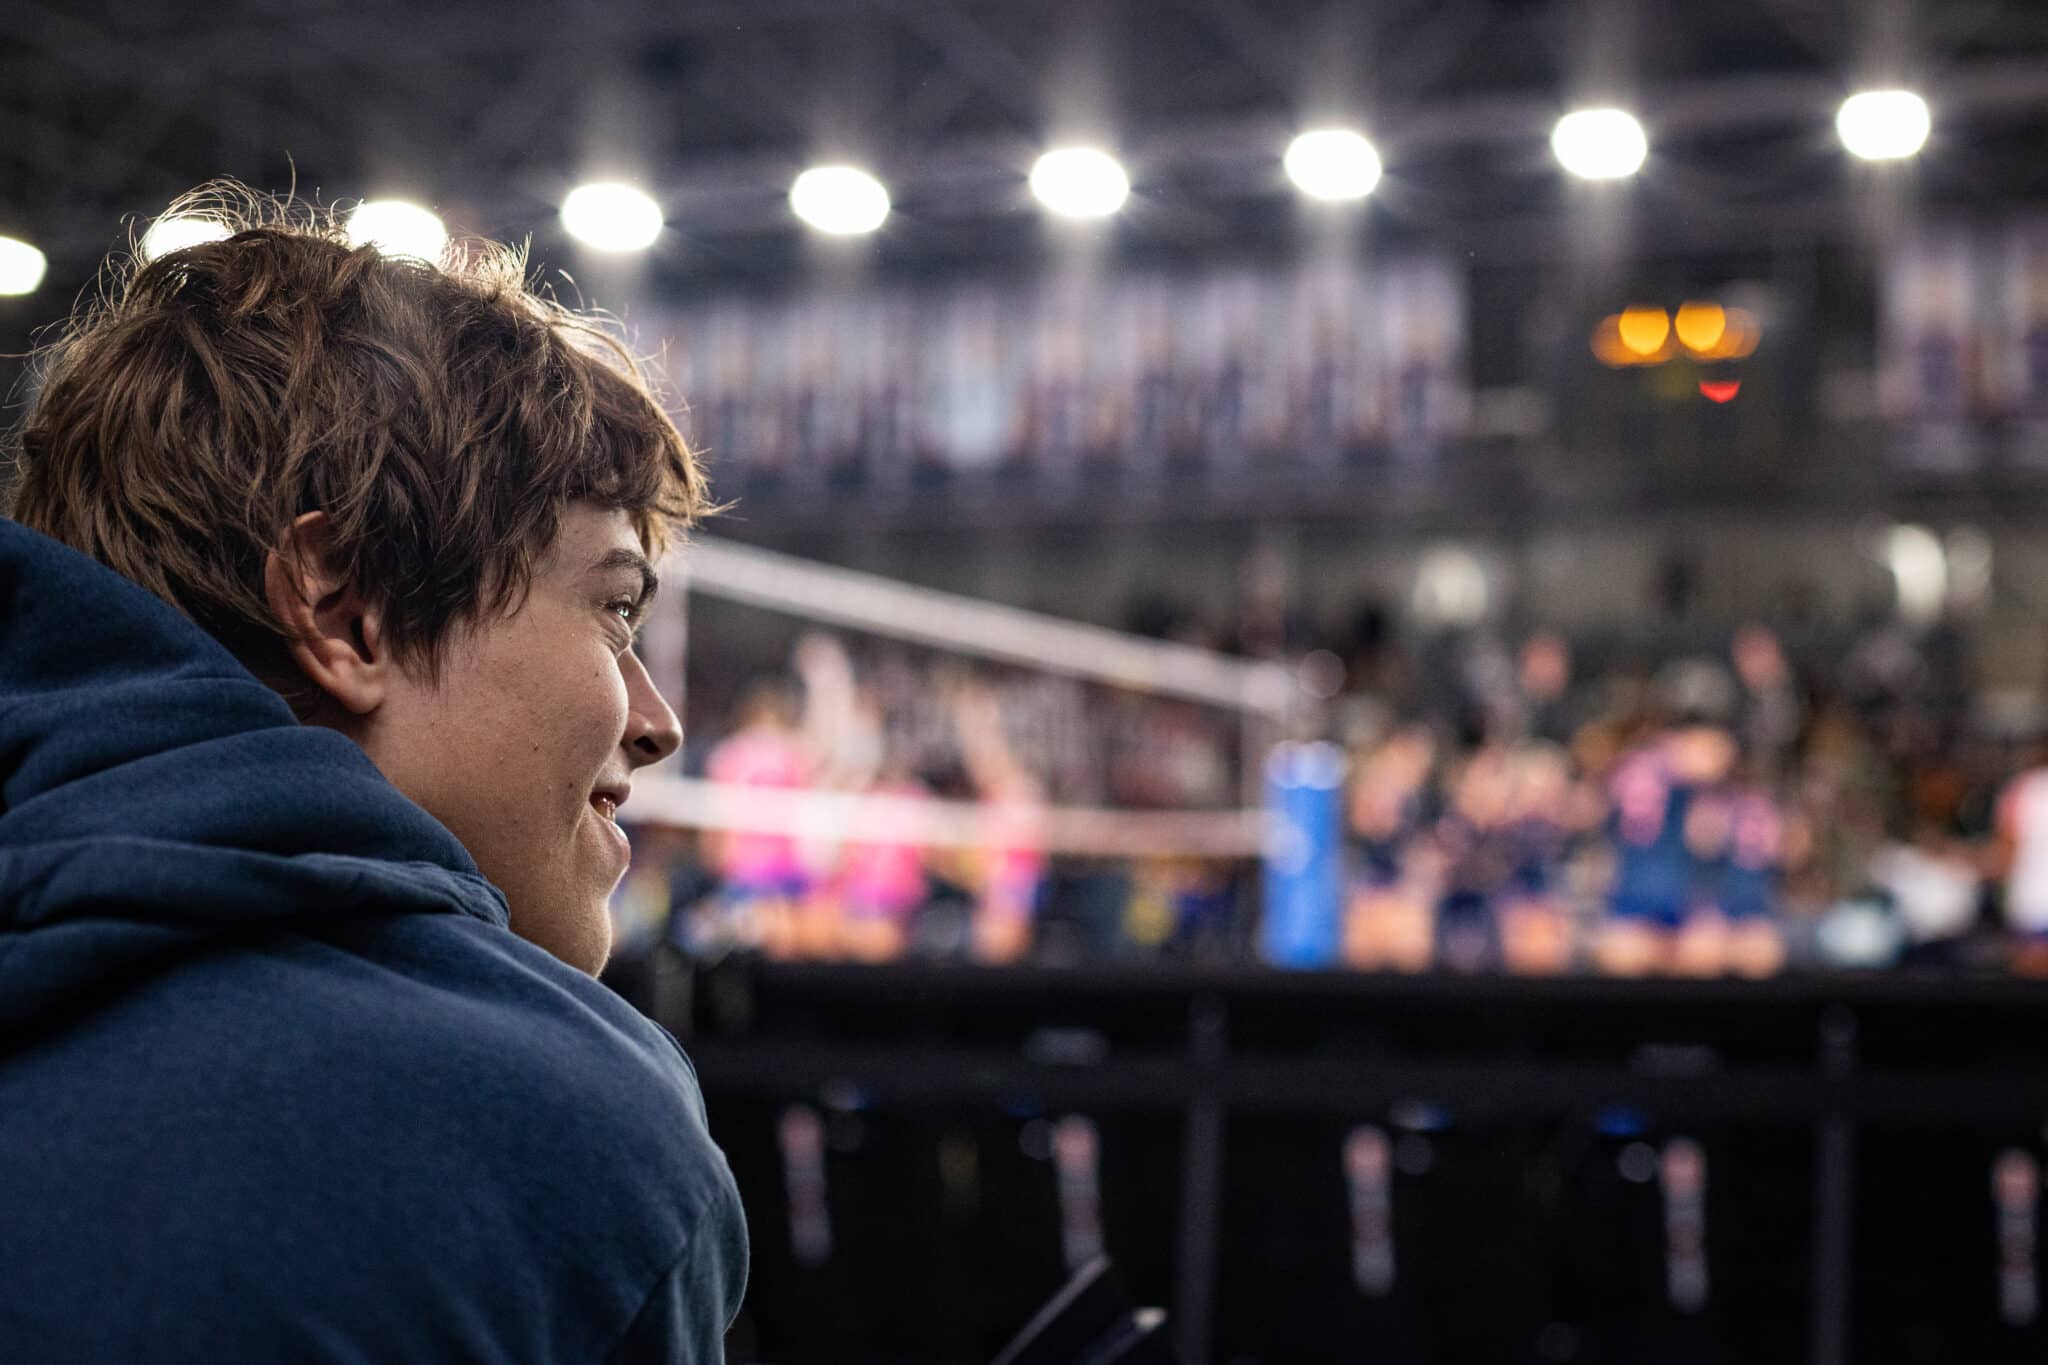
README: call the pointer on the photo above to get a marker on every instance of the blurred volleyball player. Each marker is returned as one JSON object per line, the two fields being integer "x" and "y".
{"x": 1536, "y": 934}
{"x": 1475, "y": 840}
{"x": 873, "y": 883}
{"x": 318, "y": 697}
{"x": 1012, "y": 863}
{"x": 1390, "y": 918}
{"x": 762, "y": 879}
{"x": 1652, "y": 790}
{"x": 1743, "y": 878}
{"x": 880, "y": 881}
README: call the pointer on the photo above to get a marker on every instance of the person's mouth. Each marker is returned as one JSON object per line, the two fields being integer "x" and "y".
{"x": 608, "y": 799}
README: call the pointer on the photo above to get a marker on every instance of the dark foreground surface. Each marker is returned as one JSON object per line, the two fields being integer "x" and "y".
{"x": 1567, "y": 1170}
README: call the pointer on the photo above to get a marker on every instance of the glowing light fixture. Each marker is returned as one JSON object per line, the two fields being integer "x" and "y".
{"x": 1332, "y": 163}
{"x": 178, "y": 232}
{"x": 841, "y": 201}
{"x": 21, "y": 266}
{"x": 1705, "y": 331}
{"x": 1720, "y": 390}
{"x": 1080, "y": 182}
{"x": 1608, "y": 347}
{"x": 1883, "y": 125}
{"x": 397, "y": 228}
{"x": 1700, "y": 326}
{"x": 1644, "y": 330}
{"x": 611, "y": 217}
{"x": 1600, "y": 144}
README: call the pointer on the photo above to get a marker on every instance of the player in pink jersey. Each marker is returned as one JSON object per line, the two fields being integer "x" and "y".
{"x": 1013, "y": 860}
{"x": 881, "y": 882}
{"x": 763, "y": 879}
{"x": 870, "y": 886}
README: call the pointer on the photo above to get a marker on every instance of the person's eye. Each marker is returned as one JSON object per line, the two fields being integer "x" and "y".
{"x": 631, "y": 612}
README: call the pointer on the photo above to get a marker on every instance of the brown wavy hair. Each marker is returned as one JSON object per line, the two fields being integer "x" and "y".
{"x": 442, "y": 414}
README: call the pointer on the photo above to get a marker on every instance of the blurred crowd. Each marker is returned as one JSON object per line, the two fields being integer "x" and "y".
{"x": 1518, "y": 802}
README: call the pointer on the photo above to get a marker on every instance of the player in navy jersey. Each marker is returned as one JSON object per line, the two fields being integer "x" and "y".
{"x": 1750, "y": 882}
{"x": 1653, "y": 789}
{"x": 1389, "y": 921}
{"x": 1734, "y": 838}
{"x": 1475, "y": 841}
{"x": 1535, "y": 919}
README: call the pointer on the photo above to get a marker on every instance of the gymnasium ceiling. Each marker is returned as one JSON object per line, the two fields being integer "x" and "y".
{"x": 490, "y": 113}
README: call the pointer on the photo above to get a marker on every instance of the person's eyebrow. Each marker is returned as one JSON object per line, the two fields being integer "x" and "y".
{"x": 622, "y": 558}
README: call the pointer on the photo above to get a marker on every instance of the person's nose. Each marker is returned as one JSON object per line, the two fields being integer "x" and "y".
{"x": 653, "y": 731}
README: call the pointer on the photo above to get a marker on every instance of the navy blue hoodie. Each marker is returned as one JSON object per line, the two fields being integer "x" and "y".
{"x": 277, "y": 1082}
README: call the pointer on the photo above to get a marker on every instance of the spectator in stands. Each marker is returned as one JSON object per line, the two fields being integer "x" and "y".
{"x": 317, "y": 694}
{"x": 1767, "y": 717}
{"x": 1935, "y": 885}
{"x": 1544, "y": 673}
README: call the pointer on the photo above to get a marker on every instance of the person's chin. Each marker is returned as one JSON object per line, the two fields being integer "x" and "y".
{"x": 583, "y": 941}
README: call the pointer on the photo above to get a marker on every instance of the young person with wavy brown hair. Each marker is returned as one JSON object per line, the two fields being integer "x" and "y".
{"x": 318, "y": 698}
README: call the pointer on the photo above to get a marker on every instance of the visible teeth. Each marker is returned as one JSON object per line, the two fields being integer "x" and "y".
{"x": 606, "y": 807}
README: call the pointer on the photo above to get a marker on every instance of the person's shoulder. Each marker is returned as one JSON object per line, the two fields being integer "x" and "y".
{"x": 543, "y": 1080}
{"x": 429, "y": 1112}
{"x": 473, "y": 1052}
{"x": 528, "y": 1028}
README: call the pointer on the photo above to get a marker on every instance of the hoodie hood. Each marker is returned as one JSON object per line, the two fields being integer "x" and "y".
{"x": 155, "y": 794}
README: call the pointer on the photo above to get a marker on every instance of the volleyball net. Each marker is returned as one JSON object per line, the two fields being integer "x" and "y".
{"x": 835, "y": 808}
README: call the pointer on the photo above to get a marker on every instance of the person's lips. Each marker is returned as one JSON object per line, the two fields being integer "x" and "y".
{"x": 609, "y": 798}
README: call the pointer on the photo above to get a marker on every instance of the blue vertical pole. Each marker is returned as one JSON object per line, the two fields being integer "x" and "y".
{"x": 1304, "y": 883}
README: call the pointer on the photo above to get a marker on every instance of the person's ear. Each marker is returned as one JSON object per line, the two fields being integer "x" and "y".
{"x": 332, "y": 634}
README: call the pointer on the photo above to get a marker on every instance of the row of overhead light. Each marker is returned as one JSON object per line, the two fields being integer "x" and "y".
{"x": 1072, "y": 182}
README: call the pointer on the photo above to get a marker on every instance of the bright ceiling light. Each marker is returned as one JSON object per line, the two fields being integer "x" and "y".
{"x": 1332, "y": 163}
{"x": 21, "y": 267}
{"x": 177, "y": 232}
{"x": 397, "y": 228}
{"x": 844, "y": 201}
{"x": 611, "y": 217}
{"x": 1883, "y": 125}
{"x": 1600, "y": 144}
{"x": 1080, "y": 182}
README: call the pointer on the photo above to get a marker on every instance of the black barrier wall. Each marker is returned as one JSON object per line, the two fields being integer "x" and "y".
{"x": 1308, "y": 1167}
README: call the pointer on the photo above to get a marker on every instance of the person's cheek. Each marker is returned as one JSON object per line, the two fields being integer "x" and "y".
{"x": 619, "y": 698}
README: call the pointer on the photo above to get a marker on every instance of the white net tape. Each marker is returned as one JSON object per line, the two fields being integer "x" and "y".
{"x": 691, "y": 803}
